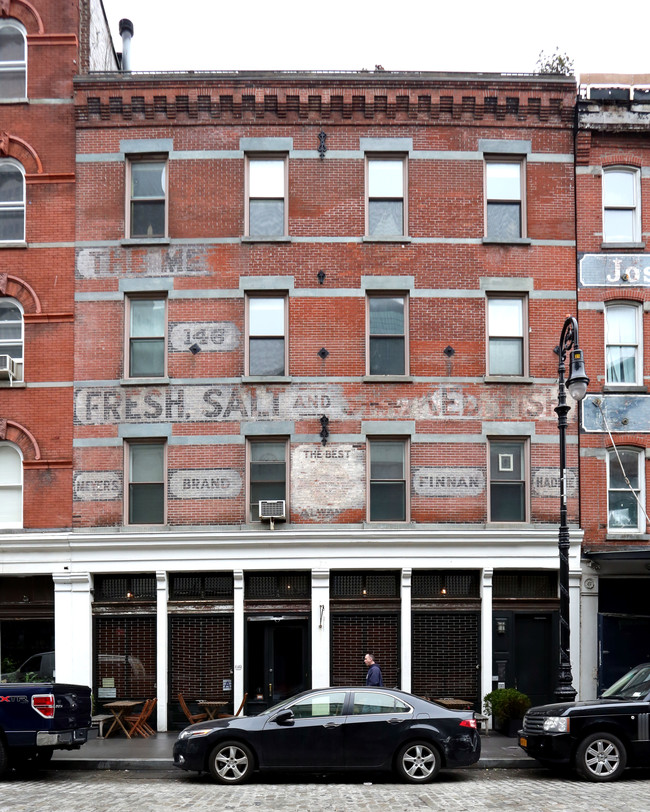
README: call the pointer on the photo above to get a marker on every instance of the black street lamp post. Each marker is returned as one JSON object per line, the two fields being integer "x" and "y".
{"x": 577, "y": 383}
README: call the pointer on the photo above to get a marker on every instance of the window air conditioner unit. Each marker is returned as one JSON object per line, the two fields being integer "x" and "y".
{"x": 272, "y": 509}
{"x": 7, "y": 367}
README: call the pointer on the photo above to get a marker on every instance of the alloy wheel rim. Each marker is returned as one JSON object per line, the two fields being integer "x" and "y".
{"x": 419, "y": 762}
{"x": 231, "y": 763}
{"x": 602, "y": 757}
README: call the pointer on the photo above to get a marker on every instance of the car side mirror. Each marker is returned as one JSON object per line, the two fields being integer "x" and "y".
{"x": 285, "y": 717}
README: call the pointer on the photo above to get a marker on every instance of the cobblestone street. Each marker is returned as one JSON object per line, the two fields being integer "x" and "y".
{"x": 475, "y": 789}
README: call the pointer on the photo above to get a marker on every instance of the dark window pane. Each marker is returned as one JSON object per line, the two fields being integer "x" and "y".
{"x": 267, "y": 471}
{"x": 386, "y": 315}
{"x": 387, "y": 501}
{"x": 12, "y": 44}
{"x": 386, "y": 356}
{"x": 148, "y": 218}
{"x": 630, "y": 462}
{"x": 12, "y": 225}
{"x": 623, "y": 509}
{"x": 386, "y": 460}
{"x": 266, "y": 218}
{"x": 266, "y": 356}
{"x": 12, "y": 84}
{"x": 506, "y": 461}
{"x": 147, "y": 358}
{"x": 507, "y": 502}
{"x": 385, "y": 218}
{"x": 146, "y": 503}
{"x": 12, "y": 187}
{"x": 504, "y": 221}
{"x": 148, "y": 179}
{"x": 506, "y": 356}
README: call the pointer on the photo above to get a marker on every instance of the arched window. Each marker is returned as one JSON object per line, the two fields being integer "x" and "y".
{"x": 626, "y": 491}
{"x": 12, "y": 336}
{"x": 13, "y": 60}
{"x": 623, "y": 344}
{"x": 12, "y": 201}
{"x": 11, "y": 486}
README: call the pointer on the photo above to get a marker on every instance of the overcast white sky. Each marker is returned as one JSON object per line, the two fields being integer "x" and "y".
{"x": 470, "y": 35}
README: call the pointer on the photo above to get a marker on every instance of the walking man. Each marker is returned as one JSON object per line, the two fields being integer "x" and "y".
{"x": 373, "y": 677}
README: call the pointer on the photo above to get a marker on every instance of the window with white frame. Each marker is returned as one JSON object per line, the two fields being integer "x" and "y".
{"x": 11, "y": 340}
{"x": 147, "y": 330}
{"x": 267, "y": 473}
{"x": 267, "y": 346}
{"x": 623, "y": 347}
{"x": 266, "y": 210}
{"x": 11, "y": 486}
{"x": 504, "y": 196}
{"x": 12, "y": 201}
{"x": 13, "y": 60}
{"x": 506, "y": 335}
{"x": 386, "y": 199}
{"x": 626, "y": 490}
{"x": 388, "y": 479}
{"x": 147, "y": 197}
{"x": 621, "y": 208}
{"x": 387, "y": 352}
{"x": 508, "y": 480}
{"x": 145, "y": 470}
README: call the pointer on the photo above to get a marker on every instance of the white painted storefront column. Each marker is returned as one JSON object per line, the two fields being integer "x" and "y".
{"x": 238, "y": 639}
{"x": 405, "y": 620}
{"x": 320, "y": 628}
{"x": 575, "y": 579}
{"x": 486, "y": 634}
{"x": 162, "y": 655}
{"x": 73, "y": 627}
{"x": 589, "y": 636}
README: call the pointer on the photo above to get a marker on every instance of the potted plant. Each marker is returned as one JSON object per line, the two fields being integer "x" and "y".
{"x": 507, "y": 706}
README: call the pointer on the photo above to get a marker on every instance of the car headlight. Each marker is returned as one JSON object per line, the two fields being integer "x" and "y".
{"x": 556, "y": 724}
{"x": 188, "y": 733}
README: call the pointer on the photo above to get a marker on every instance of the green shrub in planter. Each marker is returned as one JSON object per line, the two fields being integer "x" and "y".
{"x": 506, "y": 705}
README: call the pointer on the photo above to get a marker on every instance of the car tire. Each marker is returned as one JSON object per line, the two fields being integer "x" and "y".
{"x": 601, "y": 757}
{"x": 418, "y": 762}
{"x": 231, "y": 762}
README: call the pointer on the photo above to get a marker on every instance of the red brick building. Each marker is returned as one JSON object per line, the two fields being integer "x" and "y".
{"x": 612, "y": 187}
{"x": 311, "y": 407}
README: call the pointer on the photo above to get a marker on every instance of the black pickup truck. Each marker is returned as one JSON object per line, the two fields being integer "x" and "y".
{"x": 38, "y": 718}
{"x": 599, "y": 737}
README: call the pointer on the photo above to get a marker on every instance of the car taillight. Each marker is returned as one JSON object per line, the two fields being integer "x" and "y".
{"x": 44, "y": 704}
{"x": 468, "y": 723}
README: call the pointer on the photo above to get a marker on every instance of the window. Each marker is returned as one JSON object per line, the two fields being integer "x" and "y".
{"x": 621, "y": 215}
{"x": 386, "y": 216}
{"x": 267, "y": 473}
{"x": 508, "y": 469}
{"x": 625, "y": 487}
{"x": 387, "y": 331}
{"x": 506, "y": 334}
{"x": 11, "y": 338}
{"x": 148, "y": 192}
{"x": 374, "y": 702}
{"x": 13, "y": 60}
{"x": 504, "y": 200}
{"x": 267, "y": 193}
{"x": 623, "y": 349}
{"x": 12, "y": 201}
{"x": 146, "y": 477}
{"x": 11, "y": 486}
{"x": 313, "y": 707}
{"x": 267, "y": 348}
{"x": 147, "y": 325}
{"x": 387, "y": 485}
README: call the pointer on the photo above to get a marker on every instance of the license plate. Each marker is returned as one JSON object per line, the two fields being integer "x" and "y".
{"x": 523, "y": 742}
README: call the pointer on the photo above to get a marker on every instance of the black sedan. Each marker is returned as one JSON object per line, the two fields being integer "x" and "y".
{"x": 332, "y": 730}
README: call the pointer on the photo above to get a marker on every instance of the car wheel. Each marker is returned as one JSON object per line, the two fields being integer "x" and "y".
{"x": 601, "y": 757}
{"x": 418, "y": 762}
{"x": 231, "y": 763}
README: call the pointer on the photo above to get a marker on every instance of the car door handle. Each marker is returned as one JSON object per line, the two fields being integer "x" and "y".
{"x": 333, "y": 724}
{"x": 394, "y": 721}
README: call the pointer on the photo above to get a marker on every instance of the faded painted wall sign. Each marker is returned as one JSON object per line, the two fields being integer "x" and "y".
{"x": 325, "y": 481}
{"x": 623, "y": 413}
{"x": 211, "y": 483}
{"x": 444, "y": 482}
{"x": 211, "y": 336}
{"x": 97, "y": 486}
{"x": 200, "y": 403}
{"x": 606, "y": 270}
{"x": 183, "y": 260}
{"x": 546, "y": 482}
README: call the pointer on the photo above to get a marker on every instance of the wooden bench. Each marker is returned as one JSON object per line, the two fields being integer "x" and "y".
{"x": 482, "y": 723}
{"x": 98, "y": 722}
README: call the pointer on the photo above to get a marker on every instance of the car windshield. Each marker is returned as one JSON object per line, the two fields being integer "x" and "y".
{"x": 634, "y": 685}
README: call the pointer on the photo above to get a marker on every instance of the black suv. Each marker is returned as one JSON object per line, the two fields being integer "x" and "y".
{"x": 599, "y": 737}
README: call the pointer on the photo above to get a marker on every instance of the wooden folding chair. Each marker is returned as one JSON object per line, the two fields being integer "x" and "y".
{"x": 192, "y": 717}
{"x": 239, "y": 710}
{"x": 145, "y": 722}
{"x": 136, "y": 720}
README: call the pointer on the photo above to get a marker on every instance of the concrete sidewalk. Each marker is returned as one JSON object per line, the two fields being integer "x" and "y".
{"x": 155, "y": 753}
